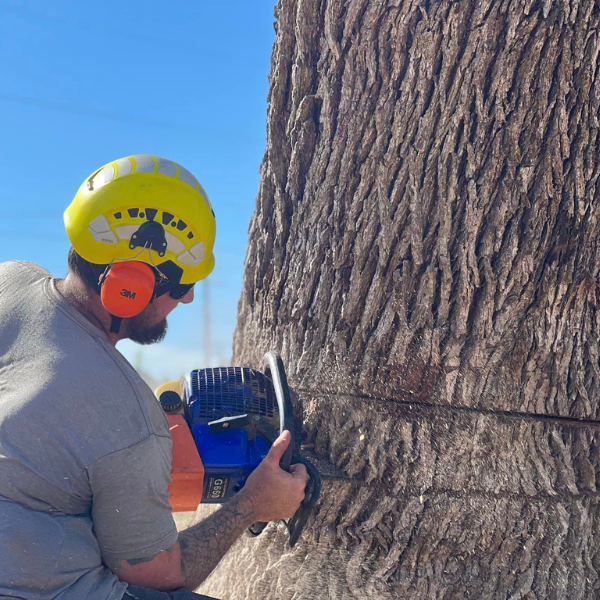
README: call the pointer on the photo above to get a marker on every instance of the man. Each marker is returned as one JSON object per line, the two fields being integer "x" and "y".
{"x": 85, "y": 449}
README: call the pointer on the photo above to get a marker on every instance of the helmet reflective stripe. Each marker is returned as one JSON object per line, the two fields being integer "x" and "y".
{"x": 167, "y": 167}
{"x": 101, "y": 231}
{"x": 186, "y": 176}
{"x": 205, "y": 196}
{"x": 194, "y": 256}
{"x": 144, "y": 163}
{"x": 126, "y": 231}
{"x": 103, "y": 177}
{"x": 173, "y": 244}
{"x": 100, "y": 224}
{"x": 124, "y": 166}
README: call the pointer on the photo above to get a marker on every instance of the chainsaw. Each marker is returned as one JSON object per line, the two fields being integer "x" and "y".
{"x": 223, "y": 422}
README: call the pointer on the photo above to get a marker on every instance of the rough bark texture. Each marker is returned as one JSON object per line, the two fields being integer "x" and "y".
{"x": 425, "y": 256}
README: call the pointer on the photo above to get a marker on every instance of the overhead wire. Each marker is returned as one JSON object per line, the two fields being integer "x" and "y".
{"x": 97, "y": 113}
{"x": 110, "y": 115}
{"x": 22, "y": 214}
{"x": 14, "y": 215}
{"x": 35, "y": 235}
{"x": 29, "y": 14}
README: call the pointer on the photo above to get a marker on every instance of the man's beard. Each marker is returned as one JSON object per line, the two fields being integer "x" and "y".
{"x": 138, "y": 330}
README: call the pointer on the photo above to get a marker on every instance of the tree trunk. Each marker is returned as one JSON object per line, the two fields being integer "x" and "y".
{"x": 425, "y": 255}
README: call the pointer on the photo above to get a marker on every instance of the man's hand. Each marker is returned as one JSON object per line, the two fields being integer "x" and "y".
{"x": 270, "y": 494}
{"x": 275, "y": 493}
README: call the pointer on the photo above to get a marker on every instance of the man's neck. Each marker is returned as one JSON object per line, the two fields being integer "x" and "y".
{"x": 88, "y": 303}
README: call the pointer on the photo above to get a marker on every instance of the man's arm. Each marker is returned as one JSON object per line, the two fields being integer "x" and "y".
{"x": 269, "y": 494}
{"x": 205, "y": 544}
{"x": 199, "y": 549}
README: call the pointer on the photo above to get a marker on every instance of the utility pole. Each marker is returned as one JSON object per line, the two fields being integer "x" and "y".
{"x": 206, "y": 317}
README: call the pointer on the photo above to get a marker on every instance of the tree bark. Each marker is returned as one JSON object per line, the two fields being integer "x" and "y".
{"x": 425, "y": 255}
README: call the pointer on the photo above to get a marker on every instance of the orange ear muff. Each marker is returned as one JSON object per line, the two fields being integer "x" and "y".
{"x": 127, "y": 288}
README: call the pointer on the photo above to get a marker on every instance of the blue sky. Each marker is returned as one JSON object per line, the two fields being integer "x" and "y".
{"x": 84, "y": 83}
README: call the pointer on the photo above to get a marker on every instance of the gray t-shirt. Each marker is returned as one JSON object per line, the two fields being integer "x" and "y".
{"x": 85, "y": 450}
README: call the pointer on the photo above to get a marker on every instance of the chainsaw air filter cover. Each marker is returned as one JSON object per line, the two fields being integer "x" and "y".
{"x": 230, "y": 391}
{"x": 229, "y": 456}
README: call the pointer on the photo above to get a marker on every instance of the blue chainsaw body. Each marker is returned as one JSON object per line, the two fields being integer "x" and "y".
{"x": 228, "y": 456}
{"x": 234, "y": 415}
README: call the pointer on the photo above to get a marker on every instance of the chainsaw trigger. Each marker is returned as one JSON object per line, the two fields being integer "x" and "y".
{"x": 264, "y": 427}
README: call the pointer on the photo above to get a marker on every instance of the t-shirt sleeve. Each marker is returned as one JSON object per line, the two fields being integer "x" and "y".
{"x": 130, "y": 502}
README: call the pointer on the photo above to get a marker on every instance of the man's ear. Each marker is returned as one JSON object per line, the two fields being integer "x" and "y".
{"x": 89, "y": 273}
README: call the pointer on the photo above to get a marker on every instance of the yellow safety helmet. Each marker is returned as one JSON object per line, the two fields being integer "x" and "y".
{"x": 147, "y": 209}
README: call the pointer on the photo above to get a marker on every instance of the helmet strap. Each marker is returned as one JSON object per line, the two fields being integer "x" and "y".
{"x": 115, "y": 324}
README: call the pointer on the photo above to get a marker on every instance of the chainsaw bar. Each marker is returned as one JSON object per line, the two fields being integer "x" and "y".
{"x": 328, "y": 471}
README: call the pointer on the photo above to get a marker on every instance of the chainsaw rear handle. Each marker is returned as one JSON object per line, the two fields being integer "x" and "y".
{"x": 275, "y": 371}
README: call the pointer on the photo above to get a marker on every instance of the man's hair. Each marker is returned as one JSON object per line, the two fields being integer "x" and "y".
{"x": 88, "y": 272}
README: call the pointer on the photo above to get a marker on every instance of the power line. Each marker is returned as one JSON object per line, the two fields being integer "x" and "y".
{"x": 76, "y": 24}
{"x": 28, "y": 214}
{"x": 207, "y": 322}
{"x": 97, "y": 113}
{"x": 35, "y": 236}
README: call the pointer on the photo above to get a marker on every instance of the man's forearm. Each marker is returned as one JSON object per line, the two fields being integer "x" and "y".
{"x": 205, "y": 544}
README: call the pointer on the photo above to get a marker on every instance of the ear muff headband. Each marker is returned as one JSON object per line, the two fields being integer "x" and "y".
{"x": 127, "y": 288}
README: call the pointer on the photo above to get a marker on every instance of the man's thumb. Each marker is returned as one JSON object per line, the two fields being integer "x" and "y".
{"x": 279, "y": 447}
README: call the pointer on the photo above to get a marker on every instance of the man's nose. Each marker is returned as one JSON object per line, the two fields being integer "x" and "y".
{"x": 189, "y": 297}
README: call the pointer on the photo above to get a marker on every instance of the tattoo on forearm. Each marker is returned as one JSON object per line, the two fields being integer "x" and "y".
{"x": 205, "y": 544}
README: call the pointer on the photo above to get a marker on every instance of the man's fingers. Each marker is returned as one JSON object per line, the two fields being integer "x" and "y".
{"x": 299, "y": 470}
{"x": 279, "y": 447}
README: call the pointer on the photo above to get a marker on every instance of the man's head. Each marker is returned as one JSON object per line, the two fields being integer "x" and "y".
{"x": 149, "y": 326}
{"x": 143, "y": 231}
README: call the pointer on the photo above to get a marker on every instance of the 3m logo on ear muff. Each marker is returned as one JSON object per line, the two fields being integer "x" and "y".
{"x": 127, "y": 288}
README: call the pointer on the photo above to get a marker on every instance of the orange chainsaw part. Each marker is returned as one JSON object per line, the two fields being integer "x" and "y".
{"x": 187, "y": 474}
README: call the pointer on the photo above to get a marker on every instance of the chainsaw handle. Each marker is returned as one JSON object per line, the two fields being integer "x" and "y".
{"x": 313, "y": 490}
{"x": 275, "y": 370}
{"x": 296, "y": 524}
